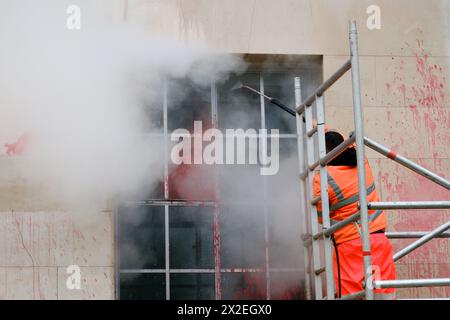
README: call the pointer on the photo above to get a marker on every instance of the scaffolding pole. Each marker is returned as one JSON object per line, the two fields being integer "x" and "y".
{"x": 310, "y": 152}
{"x": 391, "y": 154}
{"x": 412, "y": 283}
{"x": 413, "y": 234}
{"x": 360, "y": 158}
{"x": 409, "y": 205}
{"x": 326, "y": 223}
{"x": 303, "y": 206}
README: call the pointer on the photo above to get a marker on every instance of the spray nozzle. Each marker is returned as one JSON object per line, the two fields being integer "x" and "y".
{"x": 236, "y": 86}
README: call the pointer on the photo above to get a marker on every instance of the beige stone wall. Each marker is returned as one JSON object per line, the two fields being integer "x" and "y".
{"x": 37, "y": 247}
{"x": 38, "y": 241}
{"x": 410, "y": 52}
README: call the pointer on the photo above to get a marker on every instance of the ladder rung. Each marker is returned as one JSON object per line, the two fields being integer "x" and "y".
{"x": 301, "y": 109}
{"x": 304, "y": 175}
{"x": 333, "y": 153}
{"x": 311, "y": 132}
{"x": 315, "y": 200}
{"x": 409, "y": 205}
{"x": 337, "y": 151}
{"x": 335, "y": 227}
{"x": 354, "y": 296}
{"x": 319, "y": 271}
{"x": 313, "y": 166}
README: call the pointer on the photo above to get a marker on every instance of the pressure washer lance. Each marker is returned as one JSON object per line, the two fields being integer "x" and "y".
{"x": 240, "y": 85}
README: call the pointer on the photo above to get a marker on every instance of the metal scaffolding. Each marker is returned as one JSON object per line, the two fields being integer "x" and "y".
{"x": 316, "y": 237}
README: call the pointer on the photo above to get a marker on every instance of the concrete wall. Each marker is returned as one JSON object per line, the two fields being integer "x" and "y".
{"x": 404, "y": 70}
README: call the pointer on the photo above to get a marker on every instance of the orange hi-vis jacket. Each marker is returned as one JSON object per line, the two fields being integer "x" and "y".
{"x": 343, "y": 197}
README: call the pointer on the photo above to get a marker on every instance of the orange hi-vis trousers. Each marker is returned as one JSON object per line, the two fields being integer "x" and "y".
{"x": 352, "y": 269}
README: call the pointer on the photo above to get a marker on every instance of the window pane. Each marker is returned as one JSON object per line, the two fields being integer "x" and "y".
{"x": 282, "y": 204}
{"x": 191, "y": 237}
{"x": 249, "y": 188}
{"x": 187, "y": 103}
{"x": 192, "y": 182}
{"x": 153, "y": 104}
{"x": 242, "y": 237}
{"x": 192, "y": 286}
{"x": 143, "y": 286}
{"x": 242, "y": 286}
{"x": 141, "y": 237}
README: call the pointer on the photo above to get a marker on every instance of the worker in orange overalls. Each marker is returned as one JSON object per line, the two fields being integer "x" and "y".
{"x": 343, "y": 200}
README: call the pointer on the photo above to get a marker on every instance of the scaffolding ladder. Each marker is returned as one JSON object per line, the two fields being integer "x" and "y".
{"x": 311, "y": 141}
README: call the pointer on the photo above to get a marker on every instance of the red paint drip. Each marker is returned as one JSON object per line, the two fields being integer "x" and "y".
{"x": 415, "y": 113}
{"x": 430, "y": 125}
{"x": 402, "y": 89}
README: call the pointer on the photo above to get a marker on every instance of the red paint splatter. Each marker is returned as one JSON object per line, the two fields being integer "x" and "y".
{"x": 18, "y": 148}
{"x": 426, "y": 93}
{"x": 431, "y": 93}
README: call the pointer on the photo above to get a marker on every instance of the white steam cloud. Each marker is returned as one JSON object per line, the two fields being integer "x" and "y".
{"x": 79, "y": 99}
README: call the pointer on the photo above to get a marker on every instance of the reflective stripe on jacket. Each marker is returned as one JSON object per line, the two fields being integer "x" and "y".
{"x": 343, "y": 199}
